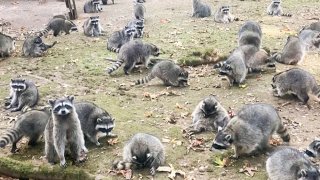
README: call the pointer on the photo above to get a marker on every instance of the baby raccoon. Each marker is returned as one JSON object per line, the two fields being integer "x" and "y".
{"x": 250, "y": 34}
{"x": 313, "y": 149}
{"x": 310, "y": 38}
{"x": 209, "y": 115}
{"x": 292, "y": 53}
{"x": 95, "y": 121}
{"x": 134, "y": 52}
{"x": 23, "y": 94}
{"x": 30, "y": 124}
{"x": 143, "y": 150}
{"x": 119, "y": 38}
{"x": 138, "y": 25}
{"x": 64, "y": 129}
{"x": 7, "y": 45}
{"x": 250, "y": 130}
{"x": 275, "y": 9}
{"x": 92, "y": 27}
{"x": 200, "y": 10}
{"x": 92, "y": 6}
{"x": 170, "y": 73}
{"x": 298, "y": 82}
{"x": 34, "y": 47}
{"x": 223, "y": 15}
{"x": 58, "y": 25}
{"x": 139, "y": 10}
{"x": 288, "y": 164}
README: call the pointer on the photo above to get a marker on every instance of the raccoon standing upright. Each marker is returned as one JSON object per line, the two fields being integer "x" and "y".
{"x": 58, "y": 25}
{"x": 92, "y": 27}
{"x": 33, "y": 46}
{"x": 209, "y": 115}
{"x": 224, "y": 15}
{"x": 250, "y": 34}
{"x": 142, "y": 150}
{"x": 250, "y": 130}
{"x": 64, "y": 129}
{"x": 7, "y": 45}
{"x": 275, "y": 9}
{"x": 296, "y": 81}
{"x": 288, "y": 164}
{"x": 119, "y": 38}
{"x": 200, "y": 9}
{"x": 170, "y": 73}
{"x": 24, "y": 94}
{"x": 139, "y": 10}
{"x": 92, "y": 6}
{"x": 95, "y": 121}
{"x": 134, "y": 52}
{"x": 30, "y": 124}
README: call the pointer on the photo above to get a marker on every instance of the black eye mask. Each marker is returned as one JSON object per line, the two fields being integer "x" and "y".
{"x": 309, "y": 153}
{"x": 217, "y": 146}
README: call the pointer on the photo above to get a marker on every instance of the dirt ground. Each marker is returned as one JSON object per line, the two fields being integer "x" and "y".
{"x": 76, "y": 66}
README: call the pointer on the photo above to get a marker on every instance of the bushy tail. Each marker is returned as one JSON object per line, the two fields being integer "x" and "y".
{"x": 276, "y": 57}
{"x": 282, "y": 131}
{"x": 9, "y": 137}
{"x": 44, "y": 32}
{"x": 115, "y": 66}
{"x": 286, "y": 14}
{"x": 218, "y": 65}
{"x": 145, "y": 79}
{"x": 113, "y": 49}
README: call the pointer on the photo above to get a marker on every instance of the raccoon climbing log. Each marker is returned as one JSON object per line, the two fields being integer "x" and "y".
{"x": 71, "y": 5}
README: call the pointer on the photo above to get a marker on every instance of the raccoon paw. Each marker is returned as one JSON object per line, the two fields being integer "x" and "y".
{"x": 63, "y": 165}
{"x": 15, "y": 109}
{"x": 153, "y": 171}
{"x": 8, "y": 107}
{"x": 98, "y": 144}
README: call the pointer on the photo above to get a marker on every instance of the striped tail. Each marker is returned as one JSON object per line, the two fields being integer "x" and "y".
{"x": 113, "y": 49}
{"x": 9, "y": 137}
{"x": 218, "y": 65}
{"x": 282, "y": 131}
{"x": 277, "y": 57}
{"x": 145, "y": 79}
{"x": 286, "y": 14}
{"x": 115, "y": 66}
{"x": 44, "y": 32}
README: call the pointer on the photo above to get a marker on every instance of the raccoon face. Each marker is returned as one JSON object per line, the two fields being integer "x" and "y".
{"x": 142, "y": 160}
{"x": 313, "y": 149}
{"x": 183, "y": 78}
{"x": 305, "y": 174}
{"x": 105, "y": 124}
{"x": 222, "y": 141}
{"x": 37, "y": 40}
{"x": 155, "y": 50}
{"x": 276, "y": 3}
{"x": 225, "y": 9}
{"x": 209, "y": 107}
{"x": 129, "y": 31}
{"x": 72, "y": 26}
{"x": 226, "y": 69}
{"x": 62, "y": 106}
{"x": 18, "y": 85}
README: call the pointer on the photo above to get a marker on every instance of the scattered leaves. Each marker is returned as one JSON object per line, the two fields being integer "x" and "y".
{"x": 248, "y": 170}
{"x": 127, "y": 174}
{"x": 172, "y": 172}
{"x": 148, "y": 114}
{"x": 113, "y": 141}
{"x": 196, "y": 145}
{"x": 222, "y": 162}
{"x": 275, "y": 142}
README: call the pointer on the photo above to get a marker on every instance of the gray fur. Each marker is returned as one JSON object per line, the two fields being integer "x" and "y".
{"x": 315, "y": 26}
{"x": 138, "y": 25}
{"x": 62, "y": 16}
{"x": 105, "y": 2}
{"x": 23, "y": 94}
{"x": 310, "y": 39}
{"x": 250, "y": 34}
{"x": 313, "y": 149}
{"x": 209, "y": 115}
{"x": 92, "y": 6}
{"x": 292, "y": 53}
{"x": 7, "y": 45}
{"x": 224, "y": 15}
{"x": 134, "y": 52}
{"x": 30, "y": 124}
{"x": 289, "y": 164}
{"x": 58, "y": 25}
{"x": 64, "y": 129}
{"x": 298, "y": 82}
{"x": 200, "y": 9}
{"x": 139, "y": 10}
{"x": 94, "y": 121}
{"x": 119, "y": 38}
{"x": 250, "y": 130}
{"x": 92, "y": 27}
{"x": 144, "y": 150}
{"x": 170, "y": 73}
{"x": 34, "y": 47}
{"x": 275, "y": 9}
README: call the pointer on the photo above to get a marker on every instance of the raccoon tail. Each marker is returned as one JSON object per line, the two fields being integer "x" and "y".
{"x": 286, "y": 14}
{"x": 282, "y": 131}
{"x": 9, "y": 137}
{"x": 44, "y": 32}
{"x": 218, "y": 65}
{"x": 113, "y": 49}
{"x": 254, "y": 70}
{"x": 115, "y": 66}
{"x": 145, "y": 79}
{"x": 276, "y": 57}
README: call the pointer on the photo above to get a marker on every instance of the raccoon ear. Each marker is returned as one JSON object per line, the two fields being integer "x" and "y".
{"x": 134, "y": 157}
{"x": 317, "y": 146}
{"x": 71, "y": 98}
{"x": 51, "y": 102}
{"x": 228, "y": 137}
{"x": 219, "y": 128}
{"x": 148, "y": 155}
{"x": 99, "y": 120}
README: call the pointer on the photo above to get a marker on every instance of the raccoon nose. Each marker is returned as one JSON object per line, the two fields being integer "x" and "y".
{"x": 63, "y": 112}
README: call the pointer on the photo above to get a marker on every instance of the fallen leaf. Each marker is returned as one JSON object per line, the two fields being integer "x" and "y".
{"x": 248, "y": 170}
{"x": 113, "y": 141}
{"x": 224, "y": 162}
{"x": 148, "y": 114}
{"x": 164, "y": 169}
{"x": 275, "y": 142}
{"x": 179, "y": 106}
{"x": 165, "y": 140}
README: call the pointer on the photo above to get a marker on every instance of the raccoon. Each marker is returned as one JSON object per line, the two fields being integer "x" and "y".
{"x": 92, "y": 27}
{"x": 92, "y": 6}
{"x": 209, "y": 115}
{"x": 58, "y": 25}
{"x": 61, "y": 16}
{"x": 94, "y": 121}
{"x": 223, "y": 15}
{"x": 310, "y": 39}
{"x": 314, "y": 26}
{"x": 7, "y": 45}
{"x": 143, "y": 150}
{"x": 260, "y": 61}
{"x": 275, "y": 9}
{"x": 30, "y": 124}
{"x": 200, "y": 10}
{"x": 138, "y": 11}
{"x": 298, "y": 82}
{"x": 134, "y": 52}
{"x": 250, "y": 33}
{"x": 289, "y": 163}
{"x": 292, "y": 53}
{"x": 34, "y": 47}
{"x": 170, "y": 73}
{"x": 105, "y": 2}
{"x": 64, "y": 127}
{"x": 24, "y": 94}
{"x": 119, "y": 38}
{"x": 138, "y": 25}
{"x": 313, "y": 149}
{"x": 250, "y": 130}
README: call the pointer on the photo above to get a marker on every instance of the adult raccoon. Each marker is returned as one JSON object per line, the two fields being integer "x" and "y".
{"x": 250, "y": 34}
{"x": 119, "y": 38}
{"x": 275, "y": 9}
{"x": 92, "y": 6}
{"x": 92, "y": 27}
{"x": 34, "y": 47}
{"x": 7, "y": 45}
{"x": 58, "y": 25}
{"x": 200, "y": 10}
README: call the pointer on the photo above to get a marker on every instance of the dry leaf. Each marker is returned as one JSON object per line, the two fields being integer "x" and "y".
{"x": 165, "y": 140}
{"x": 164, "y": 169}
{"x": 275, "y": 142}
{"x": 113, "y": 141}
{"x": 225, "y": 162}
{"x": 127, "y": 174}
{"x": 179, "y": 106}
{"x": 248, "y": 170}
{"x": 148, "y": 114}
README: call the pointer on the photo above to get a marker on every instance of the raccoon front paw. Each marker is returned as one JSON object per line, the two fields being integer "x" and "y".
{"x": 15, "y": 109}
{"x": 153, "y": 171}
{"x": 98, "y": 144}
{"x": 63, "y": 164}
